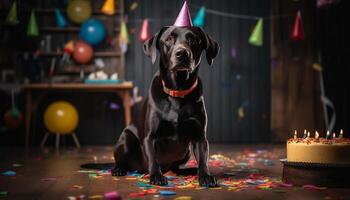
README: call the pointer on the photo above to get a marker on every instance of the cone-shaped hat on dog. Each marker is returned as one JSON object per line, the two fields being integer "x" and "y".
{"x": 184, "y": 17}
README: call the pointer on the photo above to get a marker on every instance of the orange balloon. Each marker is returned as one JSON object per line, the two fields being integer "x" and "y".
{"x": 82, "y": 53}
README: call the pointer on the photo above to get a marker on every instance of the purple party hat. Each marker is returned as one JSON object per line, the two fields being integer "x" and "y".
{"x": 184, "y": 17}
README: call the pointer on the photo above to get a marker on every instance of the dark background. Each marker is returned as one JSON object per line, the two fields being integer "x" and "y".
{"x": 242, "y": 80}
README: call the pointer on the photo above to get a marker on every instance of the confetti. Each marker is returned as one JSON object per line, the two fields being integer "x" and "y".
{"x": 9, "y": 173}
{"x": 166, "y": 192}
{"x": 16, "y": 165}
{"x": 77, "y": 187}
{"x": 183, "y": 198}
{"x": 133, "y": 6}
{"x": 95, "y": 197}
{"x": 313, "y": 187}
{"x": 112, "y": 196}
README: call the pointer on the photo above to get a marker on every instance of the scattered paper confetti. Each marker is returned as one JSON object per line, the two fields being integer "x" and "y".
{"x": 16, "y": 165}
{"x": 9, "y": 173}
{"x": 317, "y": 67}
{"x": 133, "y": 6}
{"x": 166, "y": 192}
{"x": 112, "y": 196}
{"x": 95, "y": 197}
{"x": 77, "y": 187}
{"x": 183, "y": 198}
{"x": 313, "y": 187}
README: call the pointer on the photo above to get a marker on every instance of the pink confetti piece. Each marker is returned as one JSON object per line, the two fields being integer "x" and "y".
{"x": 112, "y": 196}
{"x": 313, "y": 187}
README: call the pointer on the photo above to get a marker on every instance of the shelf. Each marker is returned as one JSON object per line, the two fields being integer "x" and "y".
{"x": 64, "y": 29}
{"x": 96, "y": 54}
{"x": 52, "y": 11}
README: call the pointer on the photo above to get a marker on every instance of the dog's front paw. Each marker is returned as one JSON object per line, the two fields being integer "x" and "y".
{"x": 207, "y": 181}
{"x": 118, "y": 172}
{"x": 158, "y": 180}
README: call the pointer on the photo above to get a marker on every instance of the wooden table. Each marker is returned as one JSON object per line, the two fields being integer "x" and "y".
{"x": 122, "y": 90}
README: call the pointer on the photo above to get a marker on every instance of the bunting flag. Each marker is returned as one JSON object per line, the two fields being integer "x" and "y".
{"x": 298, "y": 30}
{"x": 200, "y": 17}
{"x": 32, "y": 29}
{"x": 11, "y": 18}
{"x": 144, "y": 34}
{"x": 256, "y": 38}
{"x": 123, "y": 37}
{"x": 108, "y": 7}
{"x": 60, "y": 20}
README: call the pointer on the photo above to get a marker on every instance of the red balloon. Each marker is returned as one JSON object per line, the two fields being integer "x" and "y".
{"x": 13, "y": 121}
{"x": 82, "y": 53}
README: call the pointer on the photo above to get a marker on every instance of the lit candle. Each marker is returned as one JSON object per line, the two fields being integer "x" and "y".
{"x": 295, "y": 134}
{"x": 304, "y": 136}
{"x": 341, "y": 133}
{"x": 317, "y": 135}
{"x": 333, "y": 135}
{"x": 328, "y": 136}
{"x": 308, "y": 134}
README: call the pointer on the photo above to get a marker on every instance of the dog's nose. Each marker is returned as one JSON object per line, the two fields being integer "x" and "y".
{"x": 182, "y": 53}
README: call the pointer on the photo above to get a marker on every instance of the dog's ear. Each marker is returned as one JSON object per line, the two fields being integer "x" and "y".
{"x": 211, "y": 47}
{"x": 150, "y": 46}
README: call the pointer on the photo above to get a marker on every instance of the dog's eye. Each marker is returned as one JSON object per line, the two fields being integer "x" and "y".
{"x": 169, "y": 39}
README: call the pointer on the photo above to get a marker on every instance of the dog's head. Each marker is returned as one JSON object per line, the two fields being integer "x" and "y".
{"x": 180, "y": 48}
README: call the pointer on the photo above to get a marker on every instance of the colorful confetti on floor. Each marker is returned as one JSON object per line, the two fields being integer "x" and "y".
{"x": 240, "y": 172}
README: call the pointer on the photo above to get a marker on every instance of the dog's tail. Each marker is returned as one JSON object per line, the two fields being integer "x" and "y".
{"x": 97, "y": 166}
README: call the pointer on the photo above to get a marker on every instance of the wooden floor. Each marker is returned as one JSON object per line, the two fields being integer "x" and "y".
{"x": 45, "y": 174}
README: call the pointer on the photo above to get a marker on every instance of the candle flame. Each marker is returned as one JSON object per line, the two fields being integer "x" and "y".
{"x": 317, "y": 135}
{"x": 295, "y": 134}
{"x": 333, "y": 135}
{"x": 341, "y": 133}
{"x": 328, "y": 133}
{"x": 308, "y": 134}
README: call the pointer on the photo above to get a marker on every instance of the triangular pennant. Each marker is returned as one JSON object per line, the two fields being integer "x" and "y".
{"x": 144, "y": 34}
{"x": 123, "y": 37}
{"x": 60, "y": 20}
{"x": 298, "y": 29}
{"x": 108, "y": 7}
{"x": 11, "y": 18}
{"x": 32, "y": 29}
{"x": 199, "y": 19}
{"x": 184, "y": 17}
{"x": 256, "y": 38}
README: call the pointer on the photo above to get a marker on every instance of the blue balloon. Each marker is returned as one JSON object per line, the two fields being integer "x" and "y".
{"x": 93, "y": 31}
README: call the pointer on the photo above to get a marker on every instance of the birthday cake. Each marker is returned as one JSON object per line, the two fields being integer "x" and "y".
{"x": 330, "y": 150}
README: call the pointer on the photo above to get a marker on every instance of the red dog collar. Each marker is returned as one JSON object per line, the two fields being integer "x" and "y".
{"x": 179, "y": 93}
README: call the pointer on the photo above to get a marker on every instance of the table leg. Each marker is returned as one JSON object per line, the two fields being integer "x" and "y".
{"x": 28, "y": 116}
{"x": 127, "y": 108}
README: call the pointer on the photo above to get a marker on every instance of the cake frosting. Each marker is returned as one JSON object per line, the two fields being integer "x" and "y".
{"x": 318, "y": 150}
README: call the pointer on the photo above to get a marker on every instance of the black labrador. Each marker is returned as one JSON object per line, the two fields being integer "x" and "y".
{"x": 173, "y": 116}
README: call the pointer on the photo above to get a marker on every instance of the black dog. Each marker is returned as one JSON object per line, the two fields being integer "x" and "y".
{"x": 173, "y": 116}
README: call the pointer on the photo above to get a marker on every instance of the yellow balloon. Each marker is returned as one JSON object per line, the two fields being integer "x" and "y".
{"x": 79, "y": 10}
{"x": 61, "y": 117}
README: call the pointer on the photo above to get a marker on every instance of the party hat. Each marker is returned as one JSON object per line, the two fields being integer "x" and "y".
{"x": 32, "y": 29}
{"x": 298, "y": 30}
{"x": 123, "y": 37}
{"x": 12, "y": 15}
{"x": 184, "y": 17}
{"x": 199, "y": 19}
{"x": 108, "y": 7}
{"x": 60, "y": 20}
{"x": 144, "y": 34}
{"x": 256, "y": 38}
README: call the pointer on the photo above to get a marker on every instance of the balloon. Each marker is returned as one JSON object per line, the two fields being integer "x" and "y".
{"x": 79, "y": 10}
{"x": 13, "y": 119}
{"x": 93, "y": 31}
{"x": 82, "y": 53}
{"x": 61, "y": 117}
